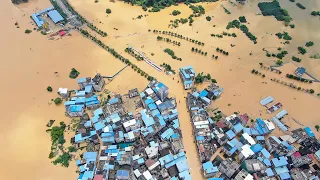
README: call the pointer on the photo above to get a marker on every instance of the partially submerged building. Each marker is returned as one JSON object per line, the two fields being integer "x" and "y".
{"x": 187, "y": 75}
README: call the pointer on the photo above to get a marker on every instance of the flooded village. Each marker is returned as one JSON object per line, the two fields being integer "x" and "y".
{"x": 152, "y": 101}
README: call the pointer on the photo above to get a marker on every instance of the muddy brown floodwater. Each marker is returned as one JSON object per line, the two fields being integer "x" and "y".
{"x": 29, "y": 61}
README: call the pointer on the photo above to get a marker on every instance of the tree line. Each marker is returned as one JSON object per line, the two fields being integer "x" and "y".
{"x": 199, "y": 51}
{"x": 222, "y": 51}
{"x": 178, "y": 36}
{"x": 243, "y": 28}
{"x": 168, "y": 40}
{"x": 172, "y": 54}
{"x": 115, "y": 54}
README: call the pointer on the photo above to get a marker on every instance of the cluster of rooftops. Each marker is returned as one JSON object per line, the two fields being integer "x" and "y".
{"x": 234, "y": 148}
{"x": 145, "y": 145}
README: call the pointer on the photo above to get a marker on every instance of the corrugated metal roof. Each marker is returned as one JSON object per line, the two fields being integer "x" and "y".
{"x": 55, "y": 16}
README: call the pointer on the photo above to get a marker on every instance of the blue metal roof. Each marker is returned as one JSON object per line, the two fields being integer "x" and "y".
{"x": 285, "y": 176}
{"x": 209, "y": 168}
{"x": 147, "y": 120}
{"x": 90, "y": 155}
{"x": 88, "y": 88}
{"x": 167, "y": 134}
{"x": 196, "y": 94}
{"x": 230, "y": 134}
{"x": 113, "y": 101}
{"x": 266, "y": 100}
{"x": 199, "y": 138}
{"x": 55, "y": 16}
{"x": 152, "y": 106}
{"x": 122, "y": 173}
{"x": 309, "y": 131}
{"x": 280, "y": 170}
{"x": 76, "y": 108}
{"x": 260, "y": 138}
{"x": 265, "y": 153}
{"x": 238, "y": 127}
{"x": 185, "y": 175}
{"x": 281, "y": 114}
{"x": 256, "y": 148}
{"x": 203, "y": 93}
{"x": 176, "y": 123}
{"x": 269, "y": 172}
{"x": 279, "y": 162}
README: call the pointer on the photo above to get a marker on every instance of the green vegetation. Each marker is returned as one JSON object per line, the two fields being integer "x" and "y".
{"x": 199, "y": 51}
{"x": 108, "y": 11}
{"x": 222, "y": 51}
{"x": 57, "y": 133}
{"x": 72, "y": 149}
{"x": 168, "y": 68}
{"x": 27, "y": 31}
{"x": 315, "y": 13}
{"x": 132, "y": 53}
{"x": 315, "y": 56}
{"x": 200, "y": 78}
{"x": 253, "y": 71}
{"x": 115, "y": 54}
{"x": 281, "y": 54}
{"x": 50, "y": 123}
{"x": 317, "y": 127}
{"x": 310, "y": 43}
{"x": 243, "y": 28}
{"x": 57, "y": 101}
{"x": 302, "y": 50}
{"x": 296, "y": 59}
{"x": 74, "y": 73}
{"x": 311, "y": 91}
{"x": 226, "y": 10}
{"x": 292, "y": 0}
{"x": 171, "y": 53}
{"x": 300, "y": 6}
{"x": 273, "y": 9}
{"x": 242, "y": 19}
{"x": 175, "y": 23}
{"x": 290, "y": 76}
{"x": 279, "y": 62}
{"x": 284, "y": 36}
{"x": 197, "y": 10}
{"x": 94, "y": 28}
{"x": 19, "y": 1}
{"x": 156, "y": 6}
{"x": 179, "y": 36}
{"x": 175, "y": 12}
{"x": 63, "y": 159}
{"x": 215, "y": 57}
{"x": 208, "y": 18}
{"x": 224, "y": 34}
{"x": 292, "y": 26}
{"x": 159, "y": 38}
{"x": 49, "y": 89}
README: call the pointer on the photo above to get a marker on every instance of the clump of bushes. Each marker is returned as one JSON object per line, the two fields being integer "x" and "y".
{"x": 300, "y": 6}
{"x": 171, "y": 53}
{"x": 208, "y": 18}
{"x": 284, "y": 36}
{"x": 243, "y": 28}
{"x": 296, "y": 59}
{"x": 175, "y": 12}
{"x": 315, "y": 13}
{"x": 27, "y": 31}
{"x": 74, "y": 73}
{"x": 273, "y": 9}
{"x": 57, "y": 101}
{"x": 168, "y": 68}
{"x": 242, "y": 19}
{"x": 201, "y": 77}
{"x": 49, "y": 89}
{"x": 302, "y": 50}
{"x": 310, "y": 43}
{"x": 108, "y": 11}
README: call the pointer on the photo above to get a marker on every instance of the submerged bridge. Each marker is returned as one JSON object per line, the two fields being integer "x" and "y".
{"x": 111, "y": 77}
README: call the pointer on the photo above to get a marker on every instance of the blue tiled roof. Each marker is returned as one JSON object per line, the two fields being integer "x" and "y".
{"x": 265, "y": 153}
{"x": 203, "y": 93}
{"x": 285, "y": 176}
{"x": 269, "y": 172}
{"x": 230, "y": 134}
{"x": 55, "y": 16}
{"x": 279, "y": 162}
{"x": 209, "y": 168}
{"x": 237, "y": 128}
{"x": 309, "y": 131}
{"x": 256, "y": 148}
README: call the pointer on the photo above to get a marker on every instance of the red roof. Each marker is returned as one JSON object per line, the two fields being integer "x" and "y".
{"x": 221, "y": 124}
{"x": 244, "y": 118}
{"x": 296, "y": 154}
{"x": 310, "y": 156}
{"x": 98, "y": 177}
{"x": 62, "y": 33}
